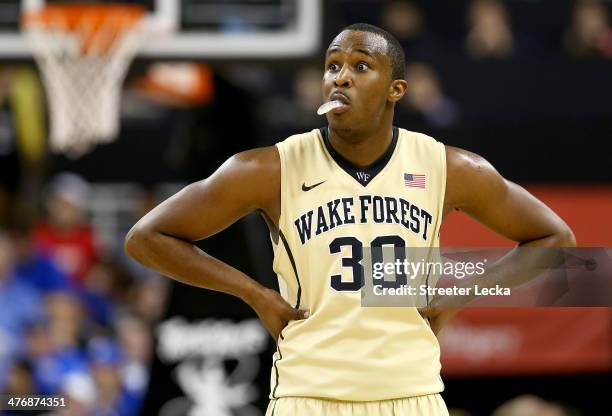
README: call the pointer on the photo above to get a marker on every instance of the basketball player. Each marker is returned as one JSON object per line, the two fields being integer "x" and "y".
{"x": 324, "y": 195}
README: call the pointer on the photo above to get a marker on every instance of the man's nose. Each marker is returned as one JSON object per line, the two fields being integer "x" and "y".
{"x": 344, "y": 78}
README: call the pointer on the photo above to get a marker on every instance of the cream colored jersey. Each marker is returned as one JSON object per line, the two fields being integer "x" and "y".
{"x": 330, "y": 209}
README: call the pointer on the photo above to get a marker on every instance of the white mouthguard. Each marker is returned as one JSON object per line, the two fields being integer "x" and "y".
{"x": 328, "y": 106}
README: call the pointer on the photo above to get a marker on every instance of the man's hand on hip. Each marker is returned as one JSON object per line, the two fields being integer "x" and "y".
{"x": 275, "y": 313}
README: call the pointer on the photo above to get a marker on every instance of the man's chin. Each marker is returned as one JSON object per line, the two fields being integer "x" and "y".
{"x": 339, "y": 123}
{"x": 345, "y": 130}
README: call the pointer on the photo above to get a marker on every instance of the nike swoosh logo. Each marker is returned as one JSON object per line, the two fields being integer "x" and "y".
{"x": 306, "y": 188}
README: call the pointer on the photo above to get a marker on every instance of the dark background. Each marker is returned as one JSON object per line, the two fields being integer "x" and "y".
{"x": 541, "y": 114}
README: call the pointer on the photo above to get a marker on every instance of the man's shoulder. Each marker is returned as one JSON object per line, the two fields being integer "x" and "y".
{"x": 461, "y": 159}
{"x": 468, "y": 171}
{"x": 299, "y": 146}
{"x": 250, "y": 177}
{"x": 297, "y": 138}
{"x": 415, "y": 135}
{"x": 257, "y": 159}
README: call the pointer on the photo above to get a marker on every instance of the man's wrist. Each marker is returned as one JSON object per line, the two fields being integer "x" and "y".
{"x": 252, "y": 293}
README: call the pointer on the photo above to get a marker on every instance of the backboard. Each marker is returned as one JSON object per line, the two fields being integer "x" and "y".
{"x": 224, "y": 29}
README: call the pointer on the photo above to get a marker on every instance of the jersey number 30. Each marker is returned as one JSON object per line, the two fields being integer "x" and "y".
{"x": 354, "y": 261}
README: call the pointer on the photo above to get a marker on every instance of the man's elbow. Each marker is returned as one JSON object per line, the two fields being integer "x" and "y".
{"x": 566, "y": 238}
{"x": 136, "y": 242}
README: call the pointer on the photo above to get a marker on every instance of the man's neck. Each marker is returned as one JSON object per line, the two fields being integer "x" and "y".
{"x": 362, "y": 150}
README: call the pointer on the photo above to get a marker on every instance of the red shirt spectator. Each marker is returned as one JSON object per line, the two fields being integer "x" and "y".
{"x": 73, "y": 250}
{"x": 64, "y": 234}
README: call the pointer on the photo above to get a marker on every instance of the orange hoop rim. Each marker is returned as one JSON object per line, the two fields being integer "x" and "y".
{"x": 97, "y": 26}
{"x": 72, "y": 16}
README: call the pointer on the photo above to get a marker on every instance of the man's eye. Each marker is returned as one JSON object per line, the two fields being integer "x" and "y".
{"x": 333, "y": 67}
{"x": 362, "y": 66}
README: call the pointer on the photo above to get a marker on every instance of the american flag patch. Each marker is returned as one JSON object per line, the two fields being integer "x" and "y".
{"x": 414, "y": 181}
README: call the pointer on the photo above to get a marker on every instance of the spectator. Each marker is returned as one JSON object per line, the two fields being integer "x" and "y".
{"x": 62, "y": 358}
{"x": 35, "y": 267}
{"x": 137, "y": 345}
{"x": 307, "y": 95}
{"x": 20, "y": 306}
{"x": 113, "y": 398}
{"x": 20, "y": 384}
{"x": 298, "y": 105}
{"x": 38, "y": 344}
{"x": 98, "y": 293}
{"x": 590, "y": 34}
{"x": 489, "y": 35}
{"x": 20, "y": 380}
{"x": 148, "y": 298}
{"x": 77, "y": 386}
{"x": 405, "y": 20}
{"x": 80, "y": 392}
{"x": 65, "y": 234}
{"x": 425, "y": 97}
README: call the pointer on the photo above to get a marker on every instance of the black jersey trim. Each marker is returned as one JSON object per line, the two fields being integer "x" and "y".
{"x": 427, "y": 285}
{"x": 280, "y": 355}
{"x": 292, "y": 260}
{"x": 297, "y": 305}
{"x": 427, "y": 295}
{"x": 357, "y": 172}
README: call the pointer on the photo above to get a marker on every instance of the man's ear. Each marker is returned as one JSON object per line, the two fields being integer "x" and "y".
{"x": 397, "y": 89}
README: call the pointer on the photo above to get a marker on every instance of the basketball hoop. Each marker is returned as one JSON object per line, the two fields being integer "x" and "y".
{"x": 84, "y": 51}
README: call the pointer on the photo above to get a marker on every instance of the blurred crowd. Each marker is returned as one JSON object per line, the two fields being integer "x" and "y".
{"x": 76, "y": 319}
{"x": 489, "y": 31}
{"x": 578, "y": 30}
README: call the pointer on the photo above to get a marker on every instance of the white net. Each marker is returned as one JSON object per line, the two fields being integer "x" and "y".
{"x": 83, "y": 84}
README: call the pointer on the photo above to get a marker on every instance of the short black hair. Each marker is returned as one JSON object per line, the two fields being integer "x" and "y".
{"x": 395, "y": 52}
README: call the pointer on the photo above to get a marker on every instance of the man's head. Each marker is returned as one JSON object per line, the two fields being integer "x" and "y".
{"x": 394, "y": 50}
{"x": 364, "y": 69}
{"x": 67, "y": 200}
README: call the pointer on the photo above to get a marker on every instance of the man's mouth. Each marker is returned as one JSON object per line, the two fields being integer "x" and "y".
{"x": 338, "y": 103}
{"x": 338, "y": 96}
{"x": 335, "y": 106}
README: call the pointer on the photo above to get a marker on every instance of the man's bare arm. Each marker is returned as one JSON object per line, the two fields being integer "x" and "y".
{"x": 476, "y": 188}
{"x": 163, "y": 239}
